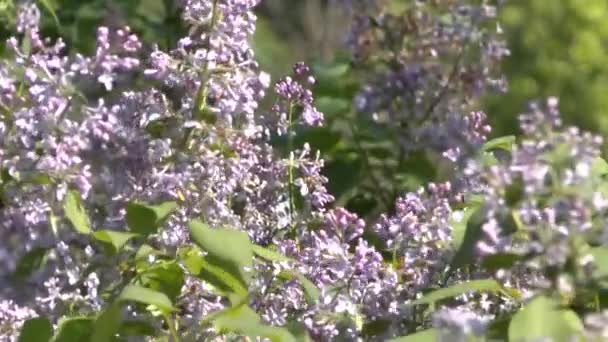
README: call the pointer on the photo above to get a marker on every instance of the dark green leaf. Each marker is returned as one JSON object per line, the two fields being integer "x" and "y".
{"x": 499, "y": 261}
{"x": 74, "y": 329}
{"x": 482, "y": 285}
{"x": 146, "y": 219}
{"x": 108, "y": 323}
{"x": 465, "y": 245}
{"x": 36, "y": 330}
{"x": 541, "y": 319}
{"x": 146, "y": 296}
{"x": 31, "y": 262}
{"x": 76, "y": 213}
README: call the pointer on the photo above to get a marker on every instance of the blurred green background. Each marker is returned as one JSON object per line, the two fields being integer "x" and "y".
{"x": 558, "y": 48}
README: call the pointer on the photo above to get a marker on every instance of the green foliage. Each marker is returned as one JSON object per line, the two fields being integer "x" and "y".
{"x": 244, "y": 321}
{"x": 557, "y": 49}
{"x": 36, "y": 330}
{"x": 75, "y": 212}
{"x": 146, "y": 296}
{"x": 542, "y": 318}
{"x": 229, "y": 256}
{"x": 146, "y": 219}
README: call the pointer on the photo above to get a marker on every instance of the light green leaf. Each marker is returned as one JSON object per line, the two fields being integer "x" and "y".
{"x": 501, "y": 143}
{"x": 146, "y": 219}
{"x": 269, "y": 254}
{"x": 36, "y": 330}
{"x": 541, "y": 319}
{"x": 482, "y": 285}
{"x": 76, "y": 213}
{"x": 600, "y": 260}
{"x": 143, "y": 295}
{"x": 229, "y": 256}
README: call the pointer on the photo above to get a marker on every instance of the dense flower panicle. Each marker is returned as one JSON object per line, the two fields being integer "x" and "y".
{"x": 419, "y": 234}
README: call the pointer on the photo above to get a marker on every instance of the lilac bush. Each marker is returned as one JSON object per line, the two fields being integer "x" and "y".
{"x": 143, "y": 195}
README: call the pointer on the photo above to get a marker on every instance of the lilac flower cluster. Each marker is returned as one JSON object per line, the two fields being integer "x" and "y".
{"x": 120, "y": 127}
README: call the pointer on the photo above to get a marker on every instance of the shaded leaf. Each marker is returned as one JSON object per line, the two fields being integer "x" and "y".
{"x": 146, "y": 219}
{"x": 36, "y": 330}
{"x": 31, "y": 262}
{"x": 113, "y": 240}
{"x": 74, "y": 329}
{"x": 108, "y": 323}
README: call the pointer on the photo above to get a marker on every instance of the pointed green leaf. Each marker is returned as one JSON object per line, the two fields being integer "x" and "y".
{"x": 76, "y": 213}
{"x": 36, "y": 330}
{"x": 146, "y": 296}
{"x": 146, "y": 219}
{"x": 482, "y": 285}
{"x": 229, "y": 256}
{"x": 542, "y": 319}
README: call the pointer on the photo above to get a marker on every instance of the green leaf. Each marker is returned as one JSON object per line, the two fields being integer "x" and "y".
{"x": 74, "y": 329}
{"x": 502, "y": 143}
{"x": 429, "y": 335}
{"x": 459, "y": 224}
{"x": 146, "y": 219}
{"x": 499, "y": 261}
{"x": 599, "y": 167}
{"x": 146, "y": 296}
{"x": 229, "y": 256}
{"x": 269, "y": 254}
{"x": 31, "y": 262}
{"x": 49, "y": 7}
{"x": 600, "y": 260}
{"x": 166, "y": 277}
{"x": 75, "y": 212}
{"x": 136, "y": 328}
{"x": 113, "y": 240}
{"x": 541, "y": 319}
{"x": 36, "y": 330}
{"x": 108, "y": 323}
{"x": 243, "y": 320}
{"x": 482, "y": 285}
